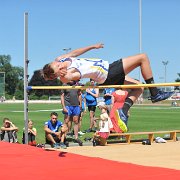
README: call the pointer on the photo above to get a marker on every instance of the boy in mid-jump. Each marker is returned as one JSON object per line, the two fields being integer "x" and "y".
{"x": 68, "y": 67}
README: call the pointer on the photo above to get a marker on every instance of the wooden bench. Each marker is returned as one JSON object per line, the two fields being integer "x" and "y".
{"x": 128, "y": 136}
{"x": 177, "y": 131}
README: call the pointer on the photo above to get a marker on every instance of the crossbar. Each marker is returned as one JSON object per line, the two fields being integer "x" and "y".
{"x": 133, "y": 86}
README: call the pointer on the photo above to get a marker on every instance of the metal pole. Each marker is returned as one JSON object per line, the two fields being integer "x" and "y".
{"x": 165, "y": 73}
{"x": 26, "y": 61}
{"x": 140, "y": 33}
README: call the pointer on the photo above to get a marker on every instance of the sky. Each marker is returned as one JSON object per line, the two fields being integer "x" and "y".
{"x": 57, "y": 24}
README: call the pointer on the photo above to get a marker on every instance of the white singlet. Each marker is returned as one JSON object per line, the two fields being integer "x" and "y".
{"x": 96, "y": 69}
{"x": 107, "y": 125}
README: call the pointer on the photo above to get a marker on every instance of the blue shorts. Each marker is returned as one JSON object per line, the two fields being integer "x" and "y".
{"x": 73, "y": 110}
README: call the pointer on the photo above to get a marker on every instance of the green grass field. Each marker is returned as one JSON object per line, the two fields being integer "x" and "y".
{"x": 143, "y": 118}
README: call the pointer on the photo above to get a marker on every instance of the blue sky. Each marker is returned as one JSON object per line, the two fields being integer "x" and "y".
{"x": 57, "y": 24}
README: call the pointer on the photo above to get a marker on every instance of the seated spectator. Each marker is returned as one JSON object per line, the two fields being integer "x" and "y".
{"x": 31, "y": 134}
{"x": 55, "y": 132}
{"x": 105, "y": 125}
{"x": 8, "y": 131}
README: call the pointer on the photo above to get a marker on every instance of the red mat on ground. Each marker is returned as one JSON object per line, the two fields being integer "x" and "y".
{"x": 18, "y": 161}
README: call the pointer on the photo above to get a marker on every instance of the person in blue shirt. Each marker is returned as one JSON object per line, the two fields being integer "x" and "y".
{"x": 91, "y": 101}
{"x": 55, "y": 132}
{"x": 108, "y": 97}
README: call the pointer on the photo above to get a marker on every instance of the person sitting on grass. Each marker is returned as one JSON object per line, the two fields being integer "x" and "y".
{"x": 31, "y": 134}
{"x": 55, "y": 132}
{"x": 9, "y": 131}
{"x": 105, "y": 125}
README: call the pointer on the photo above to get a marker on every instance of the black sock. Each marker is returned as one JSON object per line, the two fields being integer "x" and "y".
{"x": 127, "y": 104}
{"x": 153, "y": 90}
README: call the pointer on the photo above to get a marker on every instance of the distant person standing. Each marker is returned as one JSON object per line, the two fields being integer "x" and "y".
{"x": 108, "y": 97}
{"x": 71, "y": 103}
{"x": 118, "y": 100}
{"x": 91, "y": 101}
{"x": 2, "y": 99}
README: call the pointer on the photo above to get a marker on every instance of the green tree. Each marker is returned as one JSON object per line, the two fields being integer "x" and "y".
{"x": 13, "y": 75}
{"x": 38, "y": 80}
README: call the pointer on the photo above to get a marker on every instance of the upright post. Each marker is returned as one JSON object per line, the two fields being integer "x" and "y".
{"x": 140, "y": 33}
{"x": 26, "y": 61}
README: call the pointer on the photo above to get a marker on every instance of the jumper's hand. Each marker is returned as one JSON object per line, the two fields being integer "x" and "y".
{"x": 99, "y": 45}
{"x": 62, "y": 70}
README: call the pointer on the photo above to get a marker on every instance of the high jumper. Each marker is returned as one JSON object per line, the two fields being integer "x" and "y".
{"x": 68, "y": 67}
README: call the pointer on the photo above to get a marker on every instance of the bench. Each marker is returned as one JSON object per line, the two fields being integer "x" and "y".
{"x": 128, "y": 136}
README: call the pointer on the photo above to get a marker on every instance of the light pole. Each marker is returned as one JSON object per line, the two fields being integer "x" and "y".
{"x": 140, "y": 33}
{"x": 66, "y": 50}
{"x": 165, "y": 64}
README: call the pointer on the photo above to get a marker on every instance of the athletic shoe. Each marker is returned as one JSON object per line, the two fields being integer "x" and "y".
{"x": 160, "y": 96}
{"x": 56, "y": 146}
{"x": 79, "y": 142}
{"x": 40, "y": 145}
{"x": 94, "y": 129}
{"x": 81, "y": 133}
{"x": 89, "y": 130}
{"x": 94, "y": 142}
{"x": 160, "y": 140}
{"x": 63, "y": 146}
{"x": 87, "y": 138}
{"x": 70, "y": 134}
{"x": 66, "y": 143}
{"x": 122, "y": 120}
